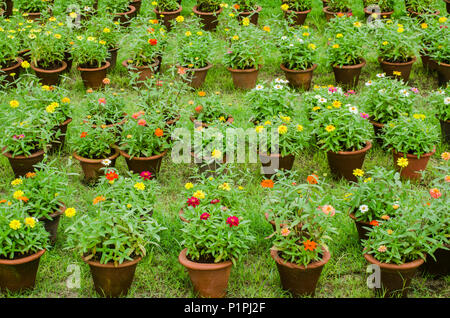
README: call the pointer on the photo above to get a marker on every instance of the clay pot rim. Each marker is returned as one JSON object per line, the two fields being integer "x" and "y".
{"x": 325, "y": 258}
{"x": 19, "y": 62}
{"x": 182, "y": 218}
{"x": 405, "y": 266}
{"x": 104, "y": 67}
{"x": 23, "y": 260}
{"x": 168, "y": 12}
{"x": 353, "y": 217}
{"x": 420, "y": 14}
{"x": 206, "y": 13}
{"x": 41, "y": 70}
{"x": 114, "y": 49}
{"x": 413, "y": 60}
{"x": 429, "y": 154}
{"x": 275, "y": 155}
{"x": 127, "y": 156}
{"x": 325, "y": 9}
{"x": 284, "y": 68}
{"x": 258, "y": 10}
{"x": 442, "y": 64}
{"x": 182, "y": 258}
{"x": 126, "y": 65}
{"x": 357, "y": 152}
{"x": 360, "y": 65}
{"x": 375, "y": 123}
{"x": 251, "y": 70}
{"x": 207, "y": 67}
{"x": 298, "y": 12}
{"x": 8, "y": 155}
{"x": 87, "y": 160}
{"x": 230, "y": 120}
{"x": 111, "y": 264}
{"x": 132, "y": 10}
{"x": 445, "y": 121}
{"x": 61, "y": 210}
{"x": 173, "y": 121}
{"x": 66, "y": 122}
{"x": 379, "y": 13}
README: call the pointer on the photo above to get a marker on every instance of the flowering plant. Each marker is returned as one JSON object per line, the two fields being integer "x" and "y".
{"x": 93, "y": 143}
{"x": 114, "y": 6}
{"x": 209, "y": 109}
{"x": 105, "y": 107}
{"x": 384, "y": 5}
{"x": 414, "y": 135}
{"x": 167, "y": 5}
{"x": 245, "y": 5}
{"x": 338, "y": 5}
{"x": 117, "y": 226}
{"x": 344, "y": 129}
{"x": 144, "y": 135}
{"x": 149, "y": 41}
{"x": 420, "y": 6}
{"x": 32, "y": 6}
{"x": 297, "y": 50}
{"x": 210, "y": 144}
{"x": 297, "y": 5}
{"x": 89, "y": 51}
{"x": 271, "y": 100}
{"x": 8, "y": 49}
{"x": 216, "y": 235}
{"x": 386, "y": 99}
{"x": 322, "y": 98}
{"x": 105, "y": 29}
{"x": 292, "y": 137}
{"x": 302, "y": 214}
{"x": 194, "y": 48}
{"x": 440, "y": 101}
{"x": 208, "y": 5}
{"x": 22, "y": 235}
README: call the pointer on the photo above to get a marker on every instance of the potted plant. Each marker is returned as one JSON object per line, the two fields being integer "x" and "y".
{"x": 243, "y": 59}
{"x": 90, "y": 55}
{"x": 296, "y": 11}
{"x": 115, "y": 232}
{"x": 440, "y": 101}
{"x": 346, "y": 148}
{"x": 8, "y": 8}
{"x": 432, "y": 31}
{"x": 33, "y": 9}
{"x": 209, "y": 109}
{"x": 379, "y": 8}
{"x": 120, "y": 9}
{"x": 23, "y": 242}
{"x": 208, "y": 11}
{"x": 168, "y": 11}
{"x": 144, "y": 142}
{"x": 439, "y": 52}
{"x": 387, "y": 99}
{"x": 337, "y": 8}
{"x": 247, "y": 9}
{"x": 345, "y": 50}
{"x": 9, "y": 59}
{"x": 320, "y": 98}
{"x": 396, "y": 45}
{"x": 280, "y": 141}
{"x": 298, "y": 54}
{"x": 214, "y": 240}
{"x": 419, "y": 8}
{"x": 378, "y": 195}
{"x": 413, "y": 141}
{"x": 95, "y": 149}
{"x": 106, "y": 108}
{"x": 193, "y": 56}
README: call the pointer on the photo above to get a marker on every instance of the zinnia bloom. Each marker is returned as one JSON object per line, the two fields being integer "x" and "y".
{"x": 152, "y": 41}
{"x": 328, "y": 210}
{"x": 310, "y": 245}
{"x": 15, "y": 224}
{"x": 402, "y": 162}
{"x": 146, "y": 175}
{"x": 142, "y": 122}
{"x": 199, "y": 194}
{"x": 215, "y": 201}
{"x": 83, "y": 134}
{"x": 285, "y": 231}
{"x": 204, "y": 216}
{"x": 435, "y": 193}
{"x": 188, "y": 185}
{"x": 112, "y": 175}
{"x": 139, "y": 186}
{"x": 193, "y": 202}
{"x": 159, "y": 132}
{"x": 358, "y": 172}
{"x": 232, "y": 221}
{"x": 268, "y": 183}
{"x": 445, "y": 156}
{"x": 98, "y": 199}
{"x": 312, "y": 179}
{"x": 70, "y": 212}
{"x": 31, "y": 222}
{"x": 382, "y": 249}
{"x": 374, "y": 223}
{"x": 102, "y": 101}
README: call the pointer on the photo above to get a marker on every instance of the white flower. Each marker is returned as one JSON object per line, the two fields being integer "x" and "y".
{"x": 364, "y": 208}
{"x": 259, "y": 87}
{"x": 301, "y": 40}
{"x": 381, "y": 91}
{"x": 278, "y": 86}
{"x": 318, "y": 97}
{"x": 106, "y": 162}
{"x": 291, "y": 45}
{"x": 353, "y": 109}
{"x": 322, "y": 100}
{"x": 447, "y": 100}
{"x": 381, "y": 75}
{"x": 404, "y": 92}
{"x": 369, "y": 83}
{"x": 284, "y": 37}
{"x": 278, "y": 80}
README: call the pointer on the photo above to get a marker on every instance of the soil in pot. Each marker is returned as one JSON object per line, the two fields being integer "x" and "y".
{"x": 92, "y": 76}
{"x": 144, "y": 72}
{"x": 51, "y": 225}
{"x": 299, "y": 79}
{"x": 197, "y": 76}
{"x": 253, "y": 15}
{"x": 210, "y": 20}
{"x": 137, "y": 4}
{"x": 363, "y": 233}
{"x": 167, "y": 18}
{"x": 395, "y": 279}
{"x": 58, "y": 144}
{"x": 51, "y": 75}
{"x": 141, "y": 164}
{"x": 404, "y": 68}
{"x": 343, "y": 163}
{"x": 275, "y": 162}
{"x": 91, "y": 167}
{"x": 296, "y": 18}
{"x": 445, "y": 130}
{"x": 244, "y": 79}
{"x": 298, "y": 279}
{"x": 110, "y": 280}
{"x": 415, "y": 164}
{"x": 210, "y": 280}
{"x": 21, "y": 165}
{"x": 348, "y": 75}
{"x": 11, "y": 71}
{"x": 20, "y": 273}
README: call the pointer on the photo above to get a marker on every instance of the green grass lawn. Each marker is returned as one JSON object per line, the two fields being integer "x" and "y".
{"x": 159, "y": 274}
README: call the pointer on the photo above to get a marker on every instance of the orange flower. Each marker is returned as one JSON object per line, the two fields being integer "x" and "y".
{"x": 2, "y": 201}
{"x": 202, "y": 94}
{"x": 312, "y": 179}
{"x": 385, "y": 217}
{"x": 181, "y": 70}
{"x": 267, "y": 183}
{"x": 30, "y": 175}
{"x": 106, "y": 81}
{"x": 310, "y": 245}
{"x": 98, "y": 199}
{"x": 435, "y": 193}
{"x": 83, "y": 134}
{"x": 159, "y": 132}
{"x": 374, "y": 223}
{"x": 236, "y": 6}
{"x": 24, "y": 199}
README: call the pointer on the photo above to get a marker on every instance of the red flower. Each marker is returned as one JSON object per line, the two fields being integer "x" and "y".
{"x": 310, "y": 245}
{"x": 83, "y": 134}
{"x": 146, "y": 175}
{"x": 142, "y": 122}
{"x": 152, "y": 41}
{"x": 312, "y": 179}
{"x": 374, "y": 223}
{"x": 233, "y": 221}
{"x": 102, "y": 101}
{"x": 193, "y": 202}
{"x": 215, "y": 201}
{"x": 111, "y": 175}
{"x": 204, "y": 216}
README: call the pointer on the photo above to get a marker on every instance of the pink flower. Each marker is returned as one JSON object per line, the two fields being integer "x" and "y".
{"x": 204, "y": 216}
{"x": 364, "y": 115}
{"x": 146, "y": 175}
{"x": 138, "y": 114}
{"x": 233, "y": 221}
{"x": 18, "y": 137}
{"x": 102, "y": 101}
{"x": 351, "y": 92}
{"x": 142, "y": 122}
{"x": 415, "y": 90}
{"x": 193, "y": 202}
{"x": 435, "y": 193}
{"x": 332, "y": 89}
{"x": 328, "y": 210}
{"x": 215, "y": 201}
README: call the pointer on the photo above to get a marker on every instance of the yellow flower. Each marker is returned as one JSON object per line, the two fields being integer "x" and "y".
{"x": 31, "y": 222}
{"x": 339, "y": 35}
{"x": 106, "y": 30}
{"x": 305, "y": 34}
{"x": 18, "y": 194}
{"x": 16, "y": 182}
{"x": 299, "y": 128}
{"x": 188, "y": 33}
{"x": 50, "y": 108}
{"x": 335, "y": 46}
{"x": 266, "y": 28}
{"x": 188, "y": 186}
{"x": 385, "y": 43}
{"x": 337, "y": 104}
{"x": 73, "y": 15}
{"x": 154, "y": 3}
{"x": 316, "y": 108}
{"x": 217, "y": 154}
{"x": 402, "y": 162}
{"x": 102, "y": 42}
{"x": 400, "y": 30}
{"x": 235, "y": 38}
{"x": 282, "y": 129}
{"x": 139, "y": 186}
{"x": 199, "y": 194}
{"x": 358, "y": 173}
{"x": 312, "y": 46}
{"x": 424, "y": 25}
{"x": 367, "y": 180}
{"x": 246, "y": 21}
{"x": 179, "y": 19}
{"x": 65, "y": 100}
{"x": 129, "y": 206}
{"x": 15, "y": 224}
{"x": 395, "y": 206}
{"x": 70, "y": 212}
{"x": 267, "y": 123}
{"x": 231, "y": 14}
{"x": 52, "y": 19}
{"x": 286, "y": 119}
{"x": 225, "y": 186}
{"x": 14, "y": 104}
{"x": 397, "y": 73}
{"x": 259, "y": 129}
{"x": 442, "y": 19}
{"x": 241, "y": 188}
{"x": 57, "y": 36}
{"x": 357, "y": 24}
{"x": 419, "y": 116}
{"x": 330, "y": 128}
{"x": 390, "y": 231}
{"x": 285, "y": 7}
{"x": 25, "y": 64}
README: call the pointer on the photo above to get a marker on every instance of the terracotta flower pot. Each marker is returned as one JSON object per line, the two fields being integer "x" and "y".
{"x": 253, "y": 15}
{"x": 181, "y": 215}
{"x": 363, "y": 233}
{"x": 7, "y": 72}
{"x": 299, "y": 78}
{"x": 197, "y": 76}
{"x": 21, "y": 165}
{"x": 69, "y": 61}
{"x": 420, "y": 16}
{"x": 140, "y": 164}
{"x": 443, "y": 73}
{"x": 415, "y": 164}
{"x": 93, "y": 77}
{"x": 324, "y": 3}
{"x": 448, "y": 5}
{"x": 144, "y": 71}
{"x": 440, "y": 266}
{"x": 173, "y": 121}
{"x": 166, "y": 18}
{"x": 8, "y": 8}
{"x": 197, "y": 123}
{"x": 244, "y": 79}
{"x": 404, "y": 68}
{"x": 426, "y": 62}
{"x": 35, "y": 16}
{"x": 59, "y": 143}
{"x": 348, "y": 75}
{"x": 125, "y": 17}
{"x": 25, "y": 55}
{"x": 380, "y": 15}
{"x": 209, "y": 280}
{"x": 51, "y": 225}
{"x": 395, "y": 279}
{"x": 137, "y": 4}
{"x": 20, "y": 273}
{"x": 112, "y": 58}
{"x": 445, "y": 129}
{"x": 275, "y": 162}
{"x": 298, "y": 279}
{"x": 49, "y": 77}
{"x": 210, "y": 20}
{"x": 343, "y": 163}
{"x": 110, "y": 280}
{"x": 298, "y": 17}
{"x": 330, "y": 14}
{"x": 378, "y": 130}
{"x": 91, "y": 167}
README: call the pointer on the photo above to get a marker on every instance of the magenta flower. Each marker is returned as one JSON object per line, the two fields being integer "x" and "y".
{"x": 18, "y": 137}
{"x": 193, "y": 202}
{"x": 364, "y": 115}
{"x": 415, "y": 90}
{"x": 232, "y": 221}
{"x": 215, "y": 201}
{"x": 146, "y": 175}
{"x": 204, "y": 216}
{"x": 352, "y": 92}
{"x": 332, "y": 89}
